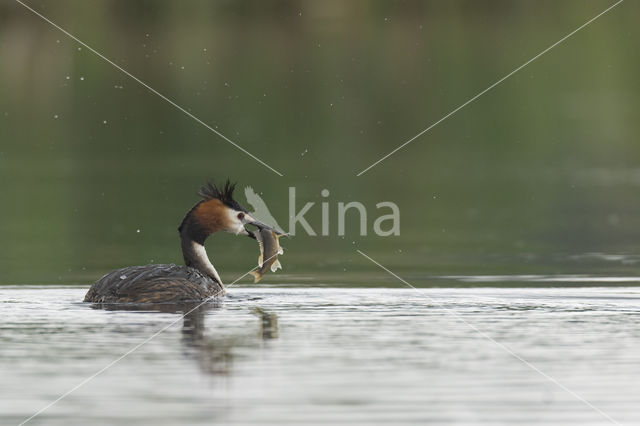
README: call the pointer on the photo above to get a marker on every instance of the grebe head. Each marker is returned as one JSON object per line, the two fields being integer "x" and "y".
{"x": 219, "y": 211}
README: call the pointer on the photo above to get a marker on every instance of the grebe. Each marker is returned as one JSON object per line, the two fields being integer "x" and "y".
{"x": 198, "y": 279}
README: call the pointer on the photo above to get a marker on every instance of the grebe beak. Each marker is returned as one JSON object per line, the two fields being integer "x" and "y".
{"x": 249, "y": 220}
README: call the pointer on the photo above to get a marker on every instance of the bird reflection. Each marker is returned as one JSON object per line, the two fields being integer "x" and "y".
{"x": 268, "y": 323}
{"x": 213, "y": 353}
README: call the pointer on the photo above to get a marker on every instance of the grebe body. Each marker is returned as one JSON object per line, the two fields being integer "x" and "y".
{"x": 197, "y": 279}
{"x": 154, "y": 284}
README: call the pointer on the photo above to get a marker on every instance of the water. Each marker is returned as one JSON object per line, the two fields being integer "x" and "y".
{"x": 269, "y": 355}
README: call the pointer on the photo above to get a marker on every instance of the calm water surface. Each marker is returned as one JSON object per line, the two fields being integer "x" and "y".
{"x": 268, "y": 355}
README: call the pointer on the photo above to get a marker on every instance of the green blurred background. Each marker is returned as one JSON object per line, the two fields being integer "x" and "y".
{"x": 539, "y": 176}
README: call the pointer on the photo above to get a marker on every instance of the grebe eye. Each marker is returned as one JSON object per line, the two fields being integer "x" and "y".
{"x": 240, "y": 216}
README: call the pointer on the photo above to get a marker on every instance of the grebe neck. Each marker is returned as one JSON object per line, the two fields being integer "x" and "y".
{"x": 192, "y": 237}
{"x": 196, "y": 257}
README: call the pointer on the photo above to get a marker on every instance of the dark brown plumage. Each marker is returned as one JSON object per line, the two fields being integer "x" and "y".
{"x": 154, "y": 284}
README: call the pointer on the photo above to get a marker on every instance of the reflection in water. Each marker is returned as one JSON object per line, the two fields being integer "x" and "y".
{"x": 212, "y": 353}
{"x": 268, "y": 323}
{"x": 359, "y": 356}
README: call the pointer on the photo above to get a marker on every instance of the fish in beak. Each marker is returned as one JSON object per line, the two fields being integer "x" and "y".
{"x": 269, "y": 250}
{"x": 267, "y": 237}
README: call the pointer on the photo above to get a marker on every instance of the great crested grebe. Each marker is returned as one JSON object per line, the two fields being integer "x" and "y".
{"x": 198, "y": 279}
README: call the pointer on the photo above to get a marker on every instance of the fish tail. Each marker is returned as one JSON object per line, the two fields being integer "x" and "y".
{"x": 256, "y": 276}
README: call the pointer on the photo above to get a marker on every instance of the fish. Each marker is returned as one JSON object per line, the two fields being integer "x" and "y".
{"x": 269, "y": 243}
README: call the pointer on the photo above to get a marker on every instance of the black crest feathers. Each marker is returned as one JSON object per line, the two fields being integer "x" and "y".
{"x": 223, "y": 193}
